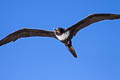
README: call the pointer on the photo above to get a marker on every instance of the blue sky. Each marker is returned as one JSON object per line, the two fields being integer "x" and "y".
{"x": 36, "y": 58}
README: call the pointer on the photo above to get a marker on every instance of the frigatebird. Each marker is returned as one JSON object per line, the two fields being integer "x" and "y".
{"x": 64, "y": 35}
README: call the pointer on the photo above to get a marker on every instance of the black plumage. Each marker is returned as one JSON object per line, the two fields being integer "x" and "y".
{"x": 57, "y": 33}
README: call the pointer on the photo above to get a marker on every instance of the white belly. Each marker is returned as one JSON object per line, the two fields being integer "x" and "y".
{"x": 63, "y": 36}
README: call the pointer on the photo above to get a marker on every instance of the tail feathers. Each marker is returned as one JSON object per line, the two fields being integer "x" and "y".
{"x": 71, "y": 49}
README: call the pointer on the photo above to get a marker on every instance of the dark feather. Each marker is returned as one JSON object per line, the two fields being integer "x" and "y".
{"x": 68, "y": 44}
{"x": 73, "y": 30}
{"x": 26, "y": 33}
{"x": 71, "y": 49}
{"x": 91, "y": 19}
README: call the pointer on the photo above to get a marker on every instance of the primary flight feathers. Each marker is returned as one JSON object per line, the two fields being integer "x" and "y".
{"x": 61, "y": 34}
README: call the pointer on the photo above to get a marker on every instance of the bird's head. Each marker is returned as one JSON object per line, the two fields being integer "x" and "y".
{"x": 59, "y": 31}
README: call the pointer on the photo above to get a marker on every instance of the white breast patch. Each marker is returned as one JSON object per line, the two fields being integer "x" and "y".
{"x": 63, "y": 36}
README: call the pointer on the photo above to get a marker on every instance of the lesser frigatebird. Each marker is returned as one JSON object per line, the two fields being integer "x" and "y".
{"x": 64, "y": 35}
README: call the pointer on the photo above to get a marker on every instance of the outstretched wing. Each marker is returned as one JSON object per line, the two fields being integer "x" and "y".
{"x": 26, "y": 33}
{"x": 91, "y": 19}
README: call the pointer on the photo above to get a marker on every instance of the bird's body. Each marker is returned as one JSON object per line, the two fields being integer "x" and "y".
{"x": 61, "y": 34}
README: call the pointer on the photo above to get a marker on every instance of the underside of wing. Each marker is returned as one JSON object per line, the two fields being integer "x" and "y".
{"x": 91, "y": 19}
{"x": 26, "y": 33}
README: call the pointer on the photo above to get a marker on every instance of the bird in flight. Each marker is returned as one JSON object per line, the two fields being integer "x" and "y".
{"x": 64, "y": 35}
